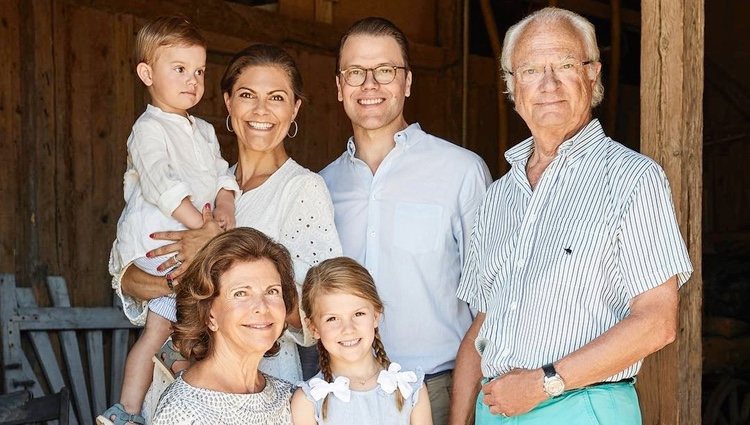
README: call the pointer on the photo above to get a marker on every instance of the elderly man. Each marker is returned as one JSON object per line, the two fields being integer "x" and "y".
{"x": 576, "y": 257}
{"x": 404, "y": 204}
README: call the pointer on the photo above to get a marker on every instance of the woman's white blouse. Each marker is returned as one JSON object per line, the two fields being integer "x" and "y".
{"x": 294, "y": 208}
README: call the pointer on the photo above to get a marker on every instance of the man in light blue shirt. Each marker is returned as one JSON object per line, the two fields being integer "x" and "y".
{"x": 404, "y": 205}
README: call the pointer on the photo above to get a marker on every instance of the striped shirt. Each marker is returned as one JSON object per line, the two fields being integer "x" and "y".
{"x": 556, "y": 267}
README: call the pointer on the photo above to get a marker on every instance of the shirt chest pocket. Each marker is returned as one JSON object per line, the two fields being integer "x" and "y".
{"x": 575, "y": 249}
{"x": 417, "y": 227}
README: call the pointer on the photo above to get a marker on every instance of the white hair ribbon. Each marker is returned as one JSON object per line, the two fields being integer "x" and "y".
{"x": 391, "y": 379}
{"x": 319, "y": 388}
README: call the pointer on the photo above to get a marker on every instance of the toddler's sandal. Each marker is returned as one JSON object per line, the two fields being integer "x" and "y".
{"x": 116, "y": 415}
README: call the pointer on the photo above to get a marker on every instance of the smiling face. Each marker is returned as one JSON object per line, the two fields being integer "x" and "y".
{"x": 175, "y": 79}
{"x": 345, "y": 324}
{"x": 559, "y": 104}
{"x": 374, "y": 106}
{"x": 249, "y": 313}
{"x": 262, "y": 106}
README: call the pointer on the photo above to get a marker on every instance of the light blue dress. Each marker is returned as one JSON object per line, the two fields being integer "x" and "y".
{"x": 372, "y": 407}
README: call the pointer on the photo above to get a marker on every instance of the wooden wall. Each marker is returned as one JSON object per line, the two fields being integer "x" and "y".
{"x": 69, "y": 97}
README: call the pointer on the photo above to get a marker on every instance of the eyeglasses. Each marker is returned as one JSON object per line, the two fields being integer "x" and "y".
{"x": 533, "y": 73}
{"x": 355, "y": 76}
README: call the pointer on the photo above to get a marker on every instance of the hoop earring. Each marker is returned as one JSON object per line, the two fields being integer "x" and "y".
{"x": 229, "y": 125}
{"x": 296, "y": 130}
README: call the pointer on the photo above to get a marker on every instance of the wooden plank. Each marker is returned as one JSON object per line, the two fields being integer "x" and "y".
{"x": 67, "y": 318}
{"x": 37, "y": 246}
{"x": 59, "y": 294}
{"x": 42, "y": 345}
{"x": 119, "y": 354}
{"x": 671, "y": 125}
{"x": 28, "y": 371}
{"x": 96, "y": 370}
{"x": 11, "y": 338}
{"x": 449, "y": 24}
{"x": 324, "y": 11}
{"x": 10, "y": 140}
{"x": 43, "y": 348}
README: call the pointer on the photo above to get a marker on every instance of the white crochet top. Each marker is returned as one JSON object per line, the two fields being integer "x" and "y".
{"x": 185, "y": 404}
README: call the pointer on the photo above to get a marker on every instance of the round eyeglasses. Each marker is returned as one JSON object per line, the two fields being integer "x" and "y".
{"x": 533, "y": 73}
{"x": 355, "y": 76}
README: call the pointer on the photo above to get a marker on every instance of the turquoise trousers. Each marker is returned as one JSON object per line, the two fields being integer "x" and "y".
{"x": 607, "y": 404}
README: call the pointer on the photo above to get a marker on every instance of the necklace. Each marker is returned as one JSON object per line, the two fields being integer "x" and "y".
{"x": 363, "y": 381}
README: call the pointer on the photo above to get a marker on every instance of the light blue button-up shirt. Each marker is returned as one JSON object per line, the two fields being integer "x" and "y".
{"x": 409, "y": 225}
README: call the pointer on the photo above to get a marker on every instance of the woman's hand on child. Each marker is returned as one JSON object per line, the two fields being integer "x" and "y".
{"x": 186, "y": 243}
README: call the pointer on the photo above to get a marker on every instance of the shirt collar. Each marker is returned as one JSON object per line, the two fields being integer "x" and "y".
{"x": 404, "y": 138}
{"x": 167, "y": 115}
{"x": 575, "y": 147}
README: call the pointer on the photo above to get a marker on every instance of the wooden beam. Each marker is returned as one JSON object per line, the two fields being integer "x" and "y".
{"x": 613, "y": 79}
{"x": 70, "y": 318}
{"x": 249, "y": 23}
{"x": 502, "y": 108}
{"x": 37, "y": 150}
{"x": 10, "y": 135}
{"x": 596, "y": 9}
{"x": 671, "y": 133}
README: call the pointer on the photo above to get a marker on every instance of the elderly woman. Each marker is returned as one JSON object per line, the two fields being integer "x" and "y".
{"x": 231, "y": 309}
{"x": 262, "y": 90}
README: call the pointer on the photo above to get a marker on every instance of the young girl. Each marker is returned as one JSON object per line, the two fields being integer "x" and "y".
{"x": 174, "y": 168}
{"x": 357, "y": 383}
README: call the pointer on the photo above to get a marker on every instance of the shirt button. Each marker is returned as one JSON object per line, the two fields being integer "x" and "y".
{"x": 532, "y": 218}
{"x": 505, "y": 352}
{"x": 520, "y": 263}
{"x": 372, "y": 233}
{"x": 513, "y": 305}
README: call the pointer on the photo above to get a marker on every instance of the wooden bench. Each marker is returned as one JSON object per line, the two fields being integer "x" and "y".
{"x": 31, "y": 334}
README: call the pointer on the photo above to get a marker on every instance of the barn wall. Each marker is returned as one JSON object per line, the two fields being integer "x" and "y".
{"x": 71, "y": 95}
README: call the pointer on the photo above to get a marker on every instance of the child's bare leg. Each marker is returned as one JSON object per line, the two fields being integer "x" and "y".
{"x": 139, "y": 367}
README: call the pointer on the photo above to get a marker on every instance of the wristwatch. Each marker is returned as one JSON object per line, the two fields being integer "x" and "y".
{"x": 553, "y": 383}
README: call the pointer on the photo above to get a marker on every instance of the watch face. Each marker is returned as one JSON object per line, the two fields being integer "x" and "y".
{"x": 554, "y": 386}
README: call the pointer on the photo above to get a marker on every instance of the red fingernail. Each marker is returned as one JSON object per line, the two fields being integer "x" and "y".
{"x": 208, "y": 205}
{"x": 169, "y": 276}
{"x": 151, "y": 236}
{"x": 148, "y": 255}
{"x": 159, "y": 268}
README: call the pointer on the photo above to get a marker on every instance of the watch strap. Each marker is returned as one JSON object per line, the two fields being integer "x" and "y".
{"x": 549, "y": 370}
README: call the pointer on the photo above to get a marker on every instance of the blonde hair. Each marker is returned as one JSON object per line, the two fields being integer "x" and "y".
{"x": 343, "y": 275}
{"x": 165, "y": 31}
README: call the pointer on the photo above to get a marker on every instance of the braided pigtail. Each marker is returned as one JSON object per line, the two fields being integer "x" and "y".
{"x": 346, "y": 276}
{"x": 325, "y": 368}
{"x": 382, "y": 358}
